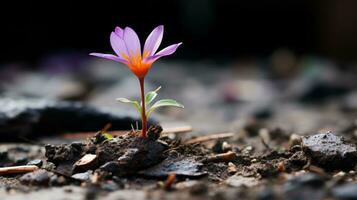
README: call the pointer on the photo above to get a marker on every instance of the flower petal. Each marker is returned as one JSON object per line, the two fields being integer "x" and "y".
{"x": 118, "y": 45}
{"x": 119, "y": 31}
{"x": 109, "y": 57}
{"x": 132, "y": 42}
{"x": 169, "y": 50}
{"x": 165, "y": 52}
{"x": 153, "y": 41}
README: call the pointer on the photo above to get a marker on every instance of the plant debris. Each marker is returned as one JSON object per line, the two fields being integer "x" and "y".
{"x": 18, "y": 169}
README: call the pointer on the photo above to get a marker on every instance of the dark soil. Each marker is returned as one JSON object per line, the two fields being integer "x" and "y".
{"x": 132, "y": 162}
{"x": 291, "y": 138}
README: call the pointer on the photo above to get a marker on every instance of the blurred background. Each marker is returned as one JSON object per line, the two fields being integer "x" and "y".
{"x": 291, "y": 63}
{"x": 210, "y": 29}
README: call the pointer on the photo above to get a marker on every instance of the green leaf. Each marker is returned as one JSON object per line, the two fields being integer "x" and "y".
{"x": 150, "y": 96}
{"x": 163, "y": 103}
{"x": 107, "y": 136}
{"x": 134, "y": 103}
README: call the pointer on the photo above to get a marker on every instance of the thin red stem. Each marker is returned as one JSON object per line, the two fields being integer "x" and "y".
{"x": 143, "y": 112}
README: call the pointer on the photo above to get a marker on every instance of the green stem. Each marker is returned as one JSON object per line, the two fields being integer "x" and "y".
{"x": 143, "y": 112}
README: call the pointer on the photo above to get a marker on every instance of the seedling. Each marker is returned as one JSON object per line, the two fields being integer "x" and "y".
{"x": 126, "y": 45}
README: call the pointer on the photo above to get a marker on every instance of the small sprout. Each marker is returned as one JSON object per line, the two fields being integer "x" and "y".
{"x": 150, "y": 96}
{"x": 163, "y": 103}
{"x": 134, "y": 103}
{"x": 126, "y": 45}
{"x": 150, "y": 105}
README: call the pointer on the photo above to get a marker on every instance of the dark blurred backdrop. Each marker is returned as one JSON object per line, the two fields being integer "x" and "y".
{"x": 209, "y": 29}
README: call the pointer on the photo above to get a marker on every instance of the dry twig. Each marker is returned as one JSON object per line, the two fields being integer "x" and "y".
{"x": 18, "y": 169}
{"x": 179, "y": 129}
{"x": 209, "y": 138}
{"x": 223, "y": 157}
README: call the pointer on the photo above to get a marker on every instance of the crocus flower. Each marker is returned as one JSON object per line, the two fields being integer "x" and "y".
{"x": 126, "y": 45}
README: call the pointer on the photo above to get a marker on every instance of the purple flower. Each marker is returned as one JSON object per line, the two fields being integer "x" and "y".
{"x": 126, "y": 45}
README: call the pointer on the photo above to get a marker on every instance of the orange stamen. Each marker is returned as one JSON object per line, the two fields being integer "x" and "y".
{"x": 146, "y": 53}
{"x": 136, "y": 63}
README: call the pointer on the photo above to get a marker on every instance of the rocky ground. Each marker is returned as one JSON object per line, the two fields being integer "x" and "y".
{"x": 259, "y": 132}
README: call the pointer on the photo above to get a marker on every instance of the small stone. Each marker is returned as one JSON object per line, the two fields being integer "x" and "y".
{"x": 85, "y": 176}
{"x": 345, "y": 192}
{"x": 330, "y": 151}
{"x": 226, "y": 147}
{"x": 37, "y": 162}
{"x": 86, "y": 162}
{"x": 232, "y": 168}
{"x": 39, "y": 177}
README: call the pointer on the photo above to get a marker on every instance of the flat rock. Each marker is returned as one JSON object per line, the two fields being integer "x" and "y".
{"x": 31, "y": 117}
{"x": 187, "y": 167}
{"x": 330, "y": 151}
